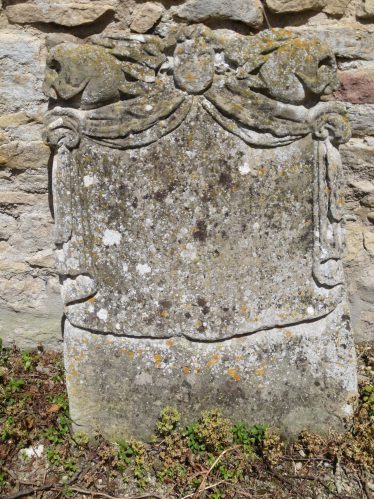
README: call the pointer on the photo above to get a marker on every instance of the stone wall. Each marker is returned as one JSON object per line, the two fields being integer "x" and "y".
{"x": 30, "y": 308}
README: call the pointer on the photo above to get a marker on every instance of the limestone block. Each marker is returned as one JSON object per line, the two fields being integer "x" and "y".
{"x": 199, "y": 226}
{"x": 31, "y": 329}
{"x": 62, "y": 13}
{"x": 360, "y": 276}
{"x": 24, "y": 155}
{"x": 369, "y": 242}
{"x": 13, "y": 267}
{"x": 335, "y": 7}
{"x": 7, "y": 226}
{"x": 357, "y": 86}
{"x": 26, "y": 134}
{"x": 15, "y": 198}
{"x": 366, "y": 286}
{"x": 22, "y": 292}
{"x": 362, "y": 119}
{"x": 363, "y": 186}
{"x": 354, "y": 241}
{"x": 32, "y": 181}
{"x": 14, "y": 119}
{"x": 35, "y": 230}
{"x": 283, "y": 6}
{"x": 44, "y": 259}
{"x": 368, "y": 200}
{"x": 21, "y": 73}
{"x": 358, "y": 158}
{"x": 347, "y": 41}
{"x": 146, "y": 17}
{"x": 246, "y": 11}
{"x": 365, "y": 9}
{"x": 30, "y": 293}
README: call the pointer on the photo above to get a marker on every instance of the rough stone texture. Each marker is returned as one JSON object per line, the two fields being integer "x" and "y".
{"x": 358, "y": 158}
{"x": 146, "y": 17}
{"x": 366, "y": 9}
{"x": 362, "y": 119}
{"x": 65, "y": 13}
{"x": 198, "y": 208}
{"x": 246, "y": 11}
{"x": 347, "y": 41}
{"x": 334, "y": 7}
{"x": 30, "y": 307}
{"x": 295, "y": 378}
{"x": 282, "y": 6}
{"x": 357, "y": 86}
{"x": 21, "y": 73}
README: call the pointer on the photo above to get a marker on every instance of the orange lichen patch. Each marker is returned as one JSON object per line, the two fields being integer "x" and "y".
{"x": 157, "y": 360}
{"x": 164, "y": 314}
{"x": 186, "y": 370}
{"x": 79, "y": 357}
{"x": 129, "y": 353}
{"x": 261, "y": 371}
{"x": 288, "y": 334}
{"x": 190, "y": 77}
{"x": 170, "y": 343}
{"x": 244, "y": 309}
{"x": 233, "y": 373}
{"x": 262, "y": 171}
{"x": 213, "y": 360}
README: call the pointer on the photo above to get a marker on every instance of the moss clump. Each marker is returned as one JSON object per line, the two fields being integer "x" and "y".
{"x": 212, "y": 432}
{"x": 168, "y": 422}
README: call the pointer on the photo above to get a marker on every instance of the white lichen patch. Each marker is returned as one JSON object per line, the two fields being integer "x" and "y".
{"x": 143, "y": 269}
{"x": 310, "y": 310}
{"x": 244, "y": 169}
{"x": 111, "y": 237}
{"x": 190, "y": 253}
{"x": 102, "y": 314}
{"x": 89, "y": 180}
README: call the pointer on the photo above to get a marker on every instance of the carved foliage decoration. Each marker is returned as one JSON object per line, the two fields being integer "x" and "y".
{"x": 128, "y": 91}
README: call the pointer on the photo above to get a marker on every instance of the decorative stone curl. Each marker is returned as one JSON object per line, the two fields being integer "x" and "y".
{"x": 63, "y": 127}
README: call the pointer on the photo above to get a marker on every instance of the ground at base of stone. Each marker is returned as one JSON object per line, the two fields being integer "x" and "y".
{"x": 212, "y": 458}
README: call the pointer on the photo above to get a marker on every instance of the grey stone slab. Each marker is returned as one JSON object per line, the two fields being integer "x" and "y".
{"x": 248, "y": 11}
{"x": 199, "y": 211}
{"x": 346, "y": 41}
{"x": 294, "y": 378}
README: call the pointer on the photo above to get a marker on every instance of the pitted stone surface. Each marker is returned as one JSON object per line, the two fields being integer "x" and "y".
{"x": 293, "y": 378}
{"x": 198, "y": 191}
{"x": 203, "y": 243}
{"x": 247, "y": 11}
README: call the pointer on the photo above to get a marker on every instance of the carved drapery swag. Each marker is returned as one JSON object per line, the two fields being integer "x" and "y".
{"x": 128, "y": 91}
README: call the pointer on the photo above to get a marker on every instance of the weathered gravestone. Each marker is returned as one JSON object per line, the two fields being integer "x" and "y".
{"x": 198, "y": 205}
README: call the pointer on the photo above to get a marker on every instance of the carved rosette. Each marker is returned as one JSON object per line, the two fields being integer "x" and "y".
{"x": 129, "y": 91}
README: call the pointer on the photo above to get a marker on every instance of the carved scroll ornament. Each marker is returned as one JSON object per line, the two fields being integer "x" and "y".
{"x": 126, "y": 92}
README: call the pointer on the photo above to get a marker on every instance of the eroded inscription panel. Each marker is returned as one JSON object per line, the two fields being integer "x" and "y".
{"x": 197, "y": 183}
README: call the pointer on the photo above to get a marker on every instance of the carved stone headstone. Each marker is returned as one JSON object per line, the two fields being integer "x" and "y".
{"x": 198, "y": 204}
